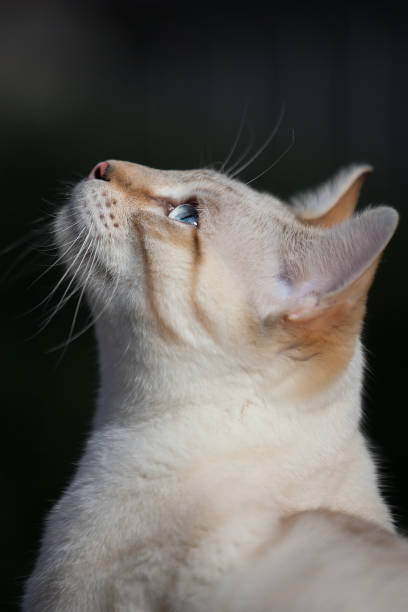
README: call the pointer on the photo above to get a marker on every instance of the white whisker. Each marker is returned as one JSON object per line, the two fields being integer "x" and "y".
{"x": 71, "y": 244}
{"x": 244, "y": 154}
{"x": 263, "y": 147}
{"x": 51, "y": 246}
{"x": 81, "y": 295}
{"x": 92, "y": 322}
{"x": 63, "y": 299}
{"x": 281, "y": 156}
{"x": 73, "y": 280}
{"x": 236, "y": 140}
{"x": 67, "y": 271}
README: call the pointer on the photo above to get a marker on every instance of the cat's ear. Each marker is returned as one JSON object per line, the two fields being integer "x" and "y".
{"x": 333, "y": 201}
{"x": 337, "y": 265}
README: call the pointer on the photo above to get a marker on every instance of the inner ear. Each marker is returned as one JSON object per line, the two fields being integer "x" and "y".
{"x": 335, "y": 200}
{"x": 338, "y": 264}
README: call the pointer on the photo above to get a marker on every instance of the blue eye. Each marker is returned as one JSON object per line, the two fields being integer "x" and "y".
{"x": 185, "y": 213}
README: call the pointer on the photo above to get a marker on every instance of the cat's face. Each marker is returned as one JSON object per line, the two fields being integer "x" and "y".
{"x": 199, "y": 259}
{"x": 185, "y": 269}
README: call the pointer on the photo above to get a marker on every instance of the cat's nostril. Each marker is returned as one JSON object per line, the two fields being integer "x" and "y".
{"x": 100, "y": 172}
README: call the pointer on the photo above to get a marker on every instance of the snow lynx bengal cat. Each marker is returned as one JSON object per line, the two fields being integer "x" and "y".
{"x": 225, "y": 470}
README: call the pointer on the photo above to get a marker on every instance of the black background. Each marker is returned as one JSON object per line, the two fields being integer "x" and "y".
{"x": 166, "y": 85}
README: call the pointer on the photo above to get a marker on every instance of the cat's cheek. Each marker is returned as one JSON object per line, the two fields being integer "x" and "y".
{"x": 99, "y": 209}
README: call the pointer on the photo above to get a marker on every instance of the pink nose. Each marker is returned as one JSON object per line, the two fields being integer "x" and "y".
{"x": 100, "y": 172}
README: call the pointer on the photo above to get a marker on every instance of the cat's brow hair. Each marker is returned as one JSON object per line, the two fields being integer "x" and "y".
{"x": 209, "y": 182}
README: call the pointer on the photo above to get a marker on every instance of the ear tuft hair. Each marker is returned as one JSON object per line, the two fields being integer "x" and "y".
{"x": 334, "y": 200}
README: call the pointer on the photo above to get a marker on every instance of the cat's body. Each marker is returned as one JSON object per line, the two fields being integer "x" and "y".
{"x": 226, "y": 459}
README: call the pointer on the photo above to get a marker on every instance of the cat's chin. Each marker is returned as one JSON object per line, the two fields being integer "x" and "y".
{"x": 80, "y": 251}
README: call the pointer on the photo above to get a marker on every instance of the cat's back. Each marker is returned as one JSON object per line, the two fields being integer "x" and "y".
{"x": 317, "y": 560}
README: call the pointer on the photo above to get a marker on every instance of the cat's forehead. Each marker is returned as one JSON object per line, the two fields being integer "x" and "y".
{"x": 208, "y": 185}
{"x": 135, "y": 171}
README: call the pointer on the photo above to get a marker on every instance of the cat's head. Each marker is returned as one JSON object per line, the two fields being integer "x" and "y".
{"x": 199, "y": 260}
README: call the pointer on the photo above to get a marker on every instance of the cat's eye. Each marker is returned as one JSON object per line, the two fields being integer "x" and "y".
{"x": 185, "y": 213}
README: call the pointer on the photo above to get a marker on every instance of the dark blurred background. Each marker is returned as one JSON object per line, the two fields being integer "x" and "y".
{"x": 166, "y": 85}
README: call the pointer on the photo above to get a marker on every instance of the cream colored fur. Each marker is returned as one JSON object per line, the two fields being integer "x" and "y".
{"x": 315, "y": 202}
{"x": 225, "y": 470}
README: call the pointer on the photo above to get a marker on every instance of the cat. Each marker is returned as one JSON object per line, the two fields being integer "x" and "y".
{"x": 225, "y": 470}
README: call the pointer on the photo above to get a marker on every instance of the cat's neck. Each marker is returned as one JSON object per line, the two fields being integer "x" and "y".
{"x": 182, "y": 415}
{"x": 143, "y": 379}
